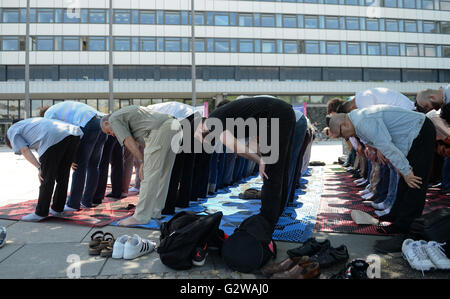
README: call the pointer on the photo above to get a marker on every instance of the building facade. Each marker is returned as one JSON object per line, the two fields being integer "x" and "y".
{"x": 300, "y": 50}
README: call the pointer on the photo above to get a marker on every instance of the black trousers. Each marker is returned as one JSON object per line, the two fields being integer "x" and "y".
{"x": 298, "y": 166}
{"x": 410, "y": 201}
{"x": 274, "y": 191}
{"x": 112, "y": 153}
{"x": 55, "y": 167}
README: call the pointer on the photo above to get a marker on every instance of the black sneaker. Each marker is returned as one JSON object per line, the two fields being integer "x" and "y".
{"x": 331, "y": 256}
{"x": 200, "y": 254}
{"x": 309, "y": 248}
{"x": 390, "y": 245}
{"x": 356, "y": 269}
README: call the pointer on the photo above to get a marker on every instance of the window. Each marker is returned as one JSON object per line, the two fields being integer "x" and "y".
{"x": 222, "y": 45}
{"x": 445, "y": 51}
{"x": 333, "y": 48}
{"x": 353, "y": 48}
{"x": 199, "y": 19}
{"x": 412, "y": 50}
{"x": 245, "y": 46}
{"x": 221, "y": 19}
{"x": 147, "y": 44}
{"x": 331, "y": 1}
{"x": 199, "y": 45}
{"x": 332, "y": 22}
{"x": 147, "y": 17}
{"x": 45, "y": 16}
{"x": 11, "y": 16}
{"x": 96, "y": 44}
{"x": 245, "y": 20}
{"x": 429, "y": 27}
{"x": 409, "y": 3}
{"x": 267, "y": 20}
{"x": 430, "y": 50}
{"x": 122, "y": 44}
{"x": 445, "y": 5}
{"x": 97, "y": 16}
{"x": 410, "y": 26}
{"x": 44, "y": 43}
{"x": 312, "y": 47}
{"x": 172, "y": 18}
{"x": 172, "y": 45}
{"x": 373, "y": 48}
{"x": 390, "y": 3}
{"x": 290, "y": 47}
{"x": 393, "y": 49}
{"x": 311, "y": 22}
{"x": 268, "y": 46}
{"x": 351, "y": 2}
{"x": 445, "y": 27}
{"x": 289, "y": 21}
{"x": 122, "y": 16}
{"x": 391, "y": 25}
{"x": 10, "y": 43}
{"x": 71, "y": 43}
{"x": 352, "y": 23}
{"x": 372, "y": 24}
{"x": 71, "y": 17}
{"x": 427, "y": 4}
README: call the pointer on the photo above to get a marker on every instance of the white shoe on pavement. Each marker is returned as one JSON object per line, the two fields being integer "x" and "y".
{"x": 136, "y": 247}
{"x": 436, "y": 254}
{"x": 414, "y": 252}
{"x": 119, "y": 246}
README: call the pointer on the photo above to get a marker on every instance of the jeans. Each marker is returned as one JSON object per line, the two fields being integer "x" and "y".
{"x": 297, "y": 142}
{"x": 85, "y": 177}
{"x": 55, "y": 165}
{"x": 221, "y": 171}
{"x": 393, "y": 184}
{"x": 230, "y": 159}
{"x": 383, "y": 186}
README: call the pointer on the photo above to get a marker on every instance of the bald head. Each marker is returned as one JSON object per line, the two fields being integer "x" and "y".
{"x": 429, "y": 99}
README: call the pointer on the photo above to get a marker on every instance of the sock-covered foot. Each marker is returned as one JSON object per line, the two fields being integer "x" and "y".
{"x": 56, "y": 214}
{"x": 32, "y": 217}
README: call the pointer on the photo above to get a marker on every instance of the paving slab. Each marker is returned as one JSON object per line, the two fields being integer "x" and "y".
{"x": 50, "y": 261}
{"x": 48, "y": 231}
{"x": 7, "y": 250}
{"x": 7, "y": 223}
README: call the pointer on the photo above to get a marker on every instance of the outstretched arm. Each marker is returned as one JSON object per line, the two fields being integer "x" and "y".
{"x": 133, "y": 147}
{"x": 26, "y": 152}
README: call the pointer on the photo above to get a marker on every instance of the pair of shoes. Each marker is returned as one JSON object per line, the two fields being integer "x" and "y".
{"x": 330, "y": 256}
{"x": 101, "y": 244}
{"x": 356, "y": 269}
{"x": 129, "y": 248}
{"x": 309, "y": 248}
{"x": 199, "y": 256}
{"x": 390, "y": 245}
{"x": 2, "y": 236}
{"x": 308, "y": 270}
{"x": 424, "y": 256}
{"x": 285, "y": 265}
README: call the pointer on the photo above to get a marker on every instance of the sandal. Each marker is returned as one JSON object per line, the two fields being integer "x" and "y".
{"x": 108, "y": 244}
{"x": 96, "y": 248}
{"x": 96, "y": 240}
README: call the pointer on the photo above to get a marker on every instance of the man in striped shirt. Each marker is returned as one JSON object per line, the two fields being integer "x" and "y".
{"x": 86, "y": 166}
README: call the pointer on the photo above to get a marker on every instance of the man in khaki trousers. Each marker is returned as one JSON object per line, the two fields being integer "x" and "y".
{"x": 134, "y": 125}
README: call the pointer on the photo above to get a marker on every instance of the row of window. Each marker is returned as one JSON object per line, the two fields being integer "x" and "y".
{"x": 15, "y": 15}
{"x": 222, "y": 45}
{"x": 220, "y": 73}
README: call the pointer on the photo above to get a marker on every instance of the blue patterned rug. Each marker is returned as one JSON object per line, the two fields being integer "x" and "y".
{"x": 295, "y": 225}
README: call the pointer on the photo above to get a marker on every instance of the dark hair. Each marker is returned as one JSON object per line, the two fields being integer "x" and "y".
{"x": 223, "y": 102}
{"x": 334, "y": 104}
{"x": 7, "y": 141}
{"x": 42, "y": 110}
{"x": 418, "y": 108}
{"x": 345, "y": 107}
{"x": 445, "y": 112}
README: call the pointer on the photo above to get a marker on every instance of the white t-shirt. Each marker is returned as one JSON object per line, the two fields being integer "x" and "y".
{"x": 176, "y": 109}
{"x": 382, "y": 96}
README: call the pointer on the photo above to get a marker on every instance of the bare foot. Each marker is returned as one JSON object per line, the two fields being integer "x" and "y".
{"x": 129, "y": 222}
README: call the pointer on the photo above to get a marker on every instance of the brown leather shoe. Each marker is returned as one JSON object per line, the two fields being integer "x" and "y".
{"x": 308, "y": 271}
{"x": 285, "y": 265}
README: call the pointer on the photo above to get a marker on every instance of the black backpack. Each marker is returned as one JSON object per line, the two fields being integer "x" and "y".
{"x": 183, "y": 233}
{"x": 434, "y": 226}
{"x": 251, "y": 246}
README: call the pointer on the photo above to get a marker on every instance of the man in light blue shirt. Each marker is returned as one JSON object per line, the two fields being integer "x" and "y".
{"x": 407, "y": 139}
{"x": 86, "y": 167}
{"x": 56, "y": 143}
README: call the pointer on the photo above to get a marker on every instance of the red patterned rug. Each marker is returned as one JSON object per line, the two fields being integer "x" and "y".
{"x": 111, "y": 210}
{"x": 339, "y": 198}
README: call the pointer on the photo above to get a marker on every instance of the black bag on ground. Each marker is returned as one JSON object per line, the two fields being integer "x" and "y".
{"x": 183, "y": 233}
{"x": 434, "y": 226}
{"x": 250, "y": 246}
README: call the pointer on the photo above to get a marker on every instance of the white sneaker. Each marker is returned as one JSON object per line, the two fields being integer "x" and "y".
{"x": 368, "y": 196}
{"x": 436, "y": 254}
{"x": 383, "y": 212}
{"x": 136, "y": 247}
{"x": 359, "y": 180}
{"x": 414, "y": 252}
{"x": 133, "y": 190}
{"x": 56, "y": 214}
{"x": 119, "y": 246}
{"x": 378, "y": 206}
{"x": 32, "y": 217}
